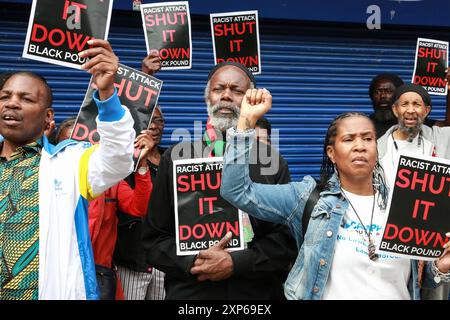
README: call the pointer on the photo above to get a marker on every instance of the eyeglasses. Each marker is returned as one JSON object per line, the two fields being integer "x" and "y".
{"x": 383, "y": 90}
{"x": 158, "y": 121}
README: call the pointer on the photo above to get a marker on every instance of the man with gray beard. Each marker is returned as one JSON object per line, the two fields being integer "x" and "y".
{"x": 411, "y": 107}
{"x": 381, "y": 92}
{"x": 258, "y": 271}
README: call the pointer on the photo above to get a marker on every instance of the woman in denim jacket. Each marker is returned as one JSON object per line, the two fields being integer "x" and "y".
{"x": 336, "y": 258}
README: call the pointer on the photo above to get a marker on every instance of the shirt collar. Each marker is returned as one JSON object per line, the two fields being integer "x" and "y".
{"x": 32, "y": 147}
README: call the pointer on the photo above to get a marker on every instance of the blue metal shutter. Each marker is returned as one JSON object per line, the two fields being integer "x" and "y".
{"x": 314, "y": 72}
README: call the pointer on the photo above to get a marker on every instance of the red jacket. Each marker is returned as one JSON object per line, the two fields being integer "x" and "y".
{"x": 103, "y": 219}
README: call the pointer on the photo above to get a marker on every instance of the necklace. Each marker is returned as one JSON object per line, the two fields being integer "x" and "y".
{"x": 394, "y": 159}
{"x": 419, "y": 141}
{"x": 371, "y": 246}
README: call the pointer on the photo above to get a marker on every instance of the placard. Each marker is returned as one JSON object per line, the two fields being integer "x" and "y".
{"x": 419, "y": 209}
{"x": 59, "y": 30}
{"x": 138, "y": 91}
{"x": 430, "y": 64}
{"x": 202, "y": 216}
{"x": 236, "y": 38}
{"x": 167, "y": 29}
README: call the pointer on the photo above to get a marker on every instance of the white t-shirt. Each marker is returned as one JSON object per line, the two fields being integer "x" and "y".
{"x": 353, "y": 276}
{"x": 390, "y": 159}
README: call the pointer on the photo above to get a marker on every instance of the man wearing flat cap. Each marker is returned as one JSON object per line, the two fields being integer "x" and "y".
{"x": 412, "y": 104}
{"x": 382, "y": 90}
{"x": 258, "y": 271}
{"x": 411, "y": 107}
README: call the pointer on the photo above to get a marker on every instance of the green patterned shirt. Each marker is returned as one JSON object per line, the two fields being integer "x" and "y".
{"x": 19, "y": 223}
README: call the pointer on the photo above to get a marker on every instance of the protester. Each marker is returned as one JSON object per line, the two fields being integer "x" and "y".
{"x": 46, "y": 251}
{"x": 381, "y": 92}
{"x": 257, "y": 272}
{"x": 139, "y": 279}
{"x": 64, "y": 130}
{"x": 263, "y": 130}
{"x": 335, "y": 260}
{"x": 102, "y": 212}
{"x": 411, "y": 107}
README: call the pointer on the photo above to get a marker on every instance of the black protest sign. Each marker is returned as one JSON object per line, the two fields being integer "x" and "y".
{"x": 236, "y": 38}
{"x": 59, "y": 30}
{"x": 138, "y": 91}
{"x": 167, "y": 29}
{"x": 419, "y": 211}
{"x": 202, "y": 216}
{"x": 430, "y": 65}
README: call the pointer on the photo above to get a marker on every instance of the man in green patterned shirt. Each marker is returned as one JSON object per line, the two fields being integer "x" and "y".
{"x": 45, "y": 249}
{"x": 26, "y": 99}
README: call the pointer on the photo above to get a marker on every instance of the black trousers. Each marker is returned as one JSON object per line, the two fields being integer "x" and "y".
{"x": 107, "y": 281}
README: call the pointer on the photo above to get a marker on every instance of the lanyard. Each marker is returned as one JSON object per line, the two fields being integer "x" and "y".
{"x": 211, "y": 140}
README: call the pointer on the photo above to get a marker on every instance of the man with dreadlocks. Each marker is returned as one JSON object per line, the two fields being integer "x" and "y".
{"x": 381, "y": 91}
{"x": 256, "y": 272}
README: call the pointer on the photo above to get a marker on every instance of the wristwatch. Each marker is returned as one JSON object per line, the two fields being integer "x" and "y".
{"x": 142, "y": 170}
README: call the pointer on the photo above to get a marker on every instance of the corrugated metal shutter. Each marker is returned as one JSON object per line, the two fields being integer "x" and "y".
{"x": 314, "y": 71}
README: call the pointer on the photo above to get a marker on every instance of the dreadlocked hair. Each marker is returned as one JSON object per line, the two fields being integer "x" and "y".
{"x": 327, "y": 168}
{"x": 379, "y": 183}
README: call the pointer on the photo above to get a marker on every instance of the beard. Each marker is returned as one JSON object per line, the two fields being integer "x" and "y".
{"x": 384, "y": 115}
{"x": 220, "y": 121}
{"x": 410, "y": 131}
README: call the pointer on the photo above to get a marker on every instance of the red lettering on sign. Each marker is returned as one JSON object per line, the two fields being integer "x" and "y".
{"x": 170, "y": 32}
{"x": 210, "y": 200}
{"x": 58, "y": 37}
{"x": 429, "y": 81}
{"x": 174, "y": 53}
{"x": 426, "y": 204}
{"x": 204, "y": 180}
{"x": 81, "y": 132}
{"x": 236, "y": 28}
{"x": 213, "y": 230}
{"x": 424, "y": 181}
{"x": 167, "y": 18}
{"x": 183, "y": 185}
{"x": 407, "y": 234}
{"x": 78, "y": 7}
{"x": 432, "y": 53}
{"x": 246, "y": 61}
{"x": 127, "y": 93}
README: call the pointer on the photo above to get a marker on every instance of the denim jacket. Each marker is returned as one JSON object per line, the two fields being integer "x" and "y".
{"x": 284, "y": 204}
